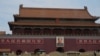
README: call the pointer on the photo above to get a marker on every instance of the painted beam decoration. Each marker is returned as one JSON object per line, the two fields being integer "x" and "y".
{"x": 88, "y": 41}
{"x": 59, "y": 41}
{"x": 22, "y": 41}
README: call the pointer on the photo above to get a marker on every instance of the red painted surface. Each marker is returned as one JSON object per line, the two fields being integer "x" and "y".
{"x": 50, "y": 45}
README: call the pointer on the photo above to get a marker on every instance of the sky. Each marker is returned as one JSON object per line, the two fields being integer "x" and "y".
{"x": 10, "y": 7}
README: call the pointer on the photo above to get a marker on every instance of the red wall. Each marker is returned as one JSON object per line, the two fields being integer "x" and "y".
{"x": 50, "y": 45}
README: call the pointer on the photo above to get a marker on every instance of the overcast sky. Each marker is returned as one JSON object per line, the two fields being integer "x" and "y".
{"x": 10, "y": 7}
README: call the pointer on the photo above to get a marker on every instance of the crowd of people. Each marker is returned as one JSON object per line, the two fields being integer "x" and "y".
{"x": 59, "y": 52}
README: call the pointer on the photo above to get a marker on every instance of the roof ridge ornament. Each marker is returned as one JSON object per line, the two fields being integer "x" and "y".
{"x": 85, "y": 7}
{"x": 21, "y": 5}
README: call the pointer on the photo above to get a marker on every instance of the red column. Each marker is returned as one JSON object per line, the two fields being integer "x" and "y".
{"x": 22, "y": 31}
{"x": 13, "y": 31}
{"x": 63, "y": 31}
{"x": 57, "y": 20}
{"x": 42, "y": 30}
{"x": 51, "y": 30}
